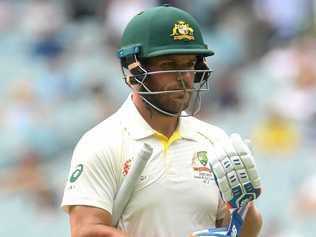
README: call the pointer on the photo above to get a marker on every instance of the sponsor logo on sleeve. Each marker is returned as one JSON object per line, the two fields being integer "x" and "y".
{"x": 76, "y": 173}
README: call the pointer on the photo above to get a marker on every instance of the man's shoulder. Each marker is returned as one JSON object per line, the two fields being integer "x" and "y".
{"x": 206, "y": 129}
{"x": 102, "y": 135}
{"x": 199, "y": 125}
{"x": 108, "y": 128}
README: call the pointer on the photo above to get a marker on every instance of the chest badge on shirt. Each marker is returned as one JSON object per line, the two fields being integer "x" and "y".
{"x": 200, "y": 167}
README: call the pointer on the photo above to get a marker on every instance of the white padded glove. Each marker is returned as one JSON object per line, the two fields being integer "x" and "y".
{"x": 235, "y": 172}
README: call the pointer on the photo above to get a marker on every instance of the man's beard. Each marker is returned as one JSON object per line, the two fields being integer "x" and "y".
{"x": 168, "y": 102}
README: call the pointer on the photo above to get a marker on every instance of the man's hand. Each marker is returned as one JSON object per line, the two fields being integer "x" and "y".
{"x": 235, "y": 172}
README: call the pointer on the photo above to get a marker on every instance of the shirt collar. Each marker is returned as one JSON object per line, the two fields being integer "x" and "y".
{"x": 138, "y": 128}
{"x": 133, "y": 121}
{"x": 187, "y": 129}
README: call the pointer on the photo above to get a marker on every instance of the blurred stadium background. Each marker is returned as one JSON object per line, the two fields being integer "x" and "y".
{"x": 59, "y": 77}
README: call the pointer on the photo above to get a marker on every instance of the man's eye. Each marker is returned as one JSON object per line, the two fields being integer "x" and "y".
{"x": 188, "y": 66}
{"x": 192, "y": 64}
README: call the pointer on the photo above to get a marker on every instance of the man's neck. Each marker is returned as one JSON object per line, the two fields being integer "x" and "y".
{"x": 163, "y": 124}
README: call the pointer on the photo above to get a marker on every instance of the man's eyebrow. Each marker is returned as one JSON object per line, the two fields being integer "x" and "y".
{"x": 174, "y": 62}
{"x": 168, "y": 62}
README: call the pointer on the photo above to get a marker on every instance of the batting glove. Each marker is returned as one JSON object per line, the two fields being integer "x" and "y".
{"x": 235, "y": 172}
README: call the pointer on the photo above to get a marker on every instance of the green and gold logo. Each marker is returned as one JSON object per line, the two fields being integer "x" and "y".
{"x": 77, "y": 172}
{"x": 202, "y": 156}
{"x": 182, "y": 31}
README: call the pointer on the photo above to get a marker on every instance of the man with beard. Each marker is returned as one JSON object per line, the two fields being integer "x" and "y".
{"x": 195, "y": 172}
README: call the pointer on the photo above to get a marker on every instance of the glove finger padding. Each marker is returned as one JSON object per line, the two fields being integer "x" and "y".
{"x": 220, "y": 167}
{"x": 247, "y": 159}
{"x": 235, "y": 172}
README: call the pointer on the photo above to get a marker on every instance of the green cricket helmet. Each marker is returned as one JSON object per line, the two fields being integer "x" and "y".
{"x": 159, "y": 31}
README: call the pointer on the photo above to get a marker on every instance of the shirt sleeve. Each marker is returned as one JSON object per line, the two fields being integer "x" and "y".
{"x": 93, "y": 178}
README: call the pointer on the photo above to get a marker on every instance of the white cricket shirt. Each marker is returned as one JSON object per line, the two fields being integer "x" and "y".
{"x": 176, "y": 193}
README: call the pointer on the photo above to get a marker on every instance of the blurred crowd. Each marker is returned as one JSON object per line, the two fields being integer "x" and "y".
{"x": 60, "y": 76}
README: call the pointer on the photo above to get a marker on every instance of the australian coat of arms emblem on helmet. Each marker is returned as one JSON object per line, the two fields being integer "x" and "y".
{"x": 182, "y": 31}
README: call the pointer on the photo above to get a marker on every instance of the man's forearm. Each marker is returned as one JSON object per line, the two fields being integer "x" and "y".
{"x": 98, "y": 230}
{"x": 252, "y": 224}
